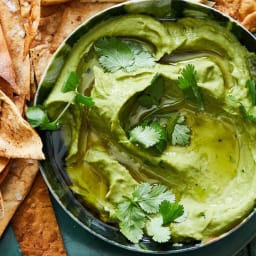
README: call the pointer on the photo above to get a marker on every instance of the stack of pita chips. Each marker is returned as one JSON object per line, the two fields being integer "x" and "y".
{"x": 20, "y": 145}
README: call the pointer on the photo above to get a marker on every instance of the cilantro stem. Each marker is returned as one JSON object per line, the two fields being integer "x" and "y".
{"x": 64, "y": 110}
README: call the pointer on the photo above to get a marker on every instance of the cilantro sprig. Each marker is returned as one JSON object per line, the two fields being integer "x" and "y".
{"x": 119, "y": 54}
{"x": 147, "y": 211}
{"x": 37, "y": 116}
{"x": 188, "y": 83}
{"x": 163, "y": 130}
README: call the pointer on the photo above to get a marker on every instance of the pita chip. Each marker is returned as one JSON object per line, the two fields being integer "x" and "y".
{"x": 30, "y": 12}
{"x": 250, "y": 22}
{"x": 17, "y": 138}
{"x": 35, "y": 225}
{"x": 6, "y": 66}
{"x": 40, "y": 56}
{"x": 14, "y": 32}
{"x": 247, "y": 14}
{"x": 15, "y": 188}
{"x": 73, "y": 16}
{"x": 229, "y": 7}
{"x": 40, "y": 47}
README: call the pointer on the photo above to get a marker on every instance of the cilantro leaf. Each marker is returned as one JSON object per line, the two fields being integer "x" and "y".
{"x": 181, "y": 135}
{"x": 117, "y": 54}
{"x": 149, "y": 197}
{"x": 83, "y": 100}
{"x": 137, "y": 212}
{"x": 37, "y": 117}
{"x": 187, "y": 78}
{"x": 188, "y": 83}
{"x": 155, "y": 228}
{"x": 147, "y": 136}
{"x": 132, "y": 233}
{"x": 166, "y": 129}
{"x": 71, "y": 83}
{"x": 177, "y": 133}
{"x": 161, "y": 144}
{"x": 132, "y": 219}
{"x": 170, "y": 211}
{"x": 251, "y": 85}
{"x": 170, "y": 124}
{"x": 129, "y": 213}
{"x": 114, "y": 54}
{"x": 142, "y": 57}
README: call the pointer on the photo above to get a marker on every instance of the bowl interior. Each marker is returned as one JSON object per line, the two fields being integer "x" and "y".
{"x": 53, "y": 168}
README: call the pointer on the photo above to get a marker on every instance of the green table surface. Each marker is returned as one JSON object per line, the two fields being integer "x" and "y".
{"x": 79, "y": 242}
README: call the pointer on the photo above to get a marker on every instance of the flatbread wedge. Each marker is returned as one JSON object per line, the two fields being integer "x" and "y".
{"x": 17, "y": 138}
{"x": 35, "y": 225}
{"x": 30, "y": 11}
{"x": 15, "y": 187}
{"x": 14, "y": 32}
{"x": 6, "y": 66}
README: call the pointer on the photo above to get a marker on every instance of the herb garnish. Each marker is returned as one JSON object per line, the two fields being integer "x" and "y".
{"x": 188, "y": 83}
{"x": 148, "y": 209}
{"x": 162, "y": 130}
{"x": 120, "y": 54}
{"x": 145, "y": 135}
{"x": 181, "y": 134}
{"x": 37, "y": 116}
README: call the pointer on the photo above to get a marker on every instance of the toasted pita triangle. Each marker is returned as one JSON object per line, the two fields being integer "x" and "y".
{"x": 13, "y": 29}
{"x": 73, "y": 16}
{"x": 17, "y": 138}
{"x": 6, "y": 67}
{"x": 38, "y": 236}
{"x": 15, "y": 188}
{"x": 30, "y": 11}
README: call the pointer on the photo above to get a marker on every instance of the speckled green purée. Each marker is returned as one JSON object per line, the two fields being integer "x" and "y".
{"x": 213, "y": 176}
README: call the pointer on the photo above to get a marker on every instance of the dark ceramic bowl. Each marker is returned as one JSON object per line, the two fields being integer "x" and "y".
{"x": 53, "y": 168}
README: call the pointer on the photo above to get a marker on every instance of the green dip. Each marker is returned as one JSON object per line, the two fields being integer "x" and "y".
{"x": 214, "y": 176}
